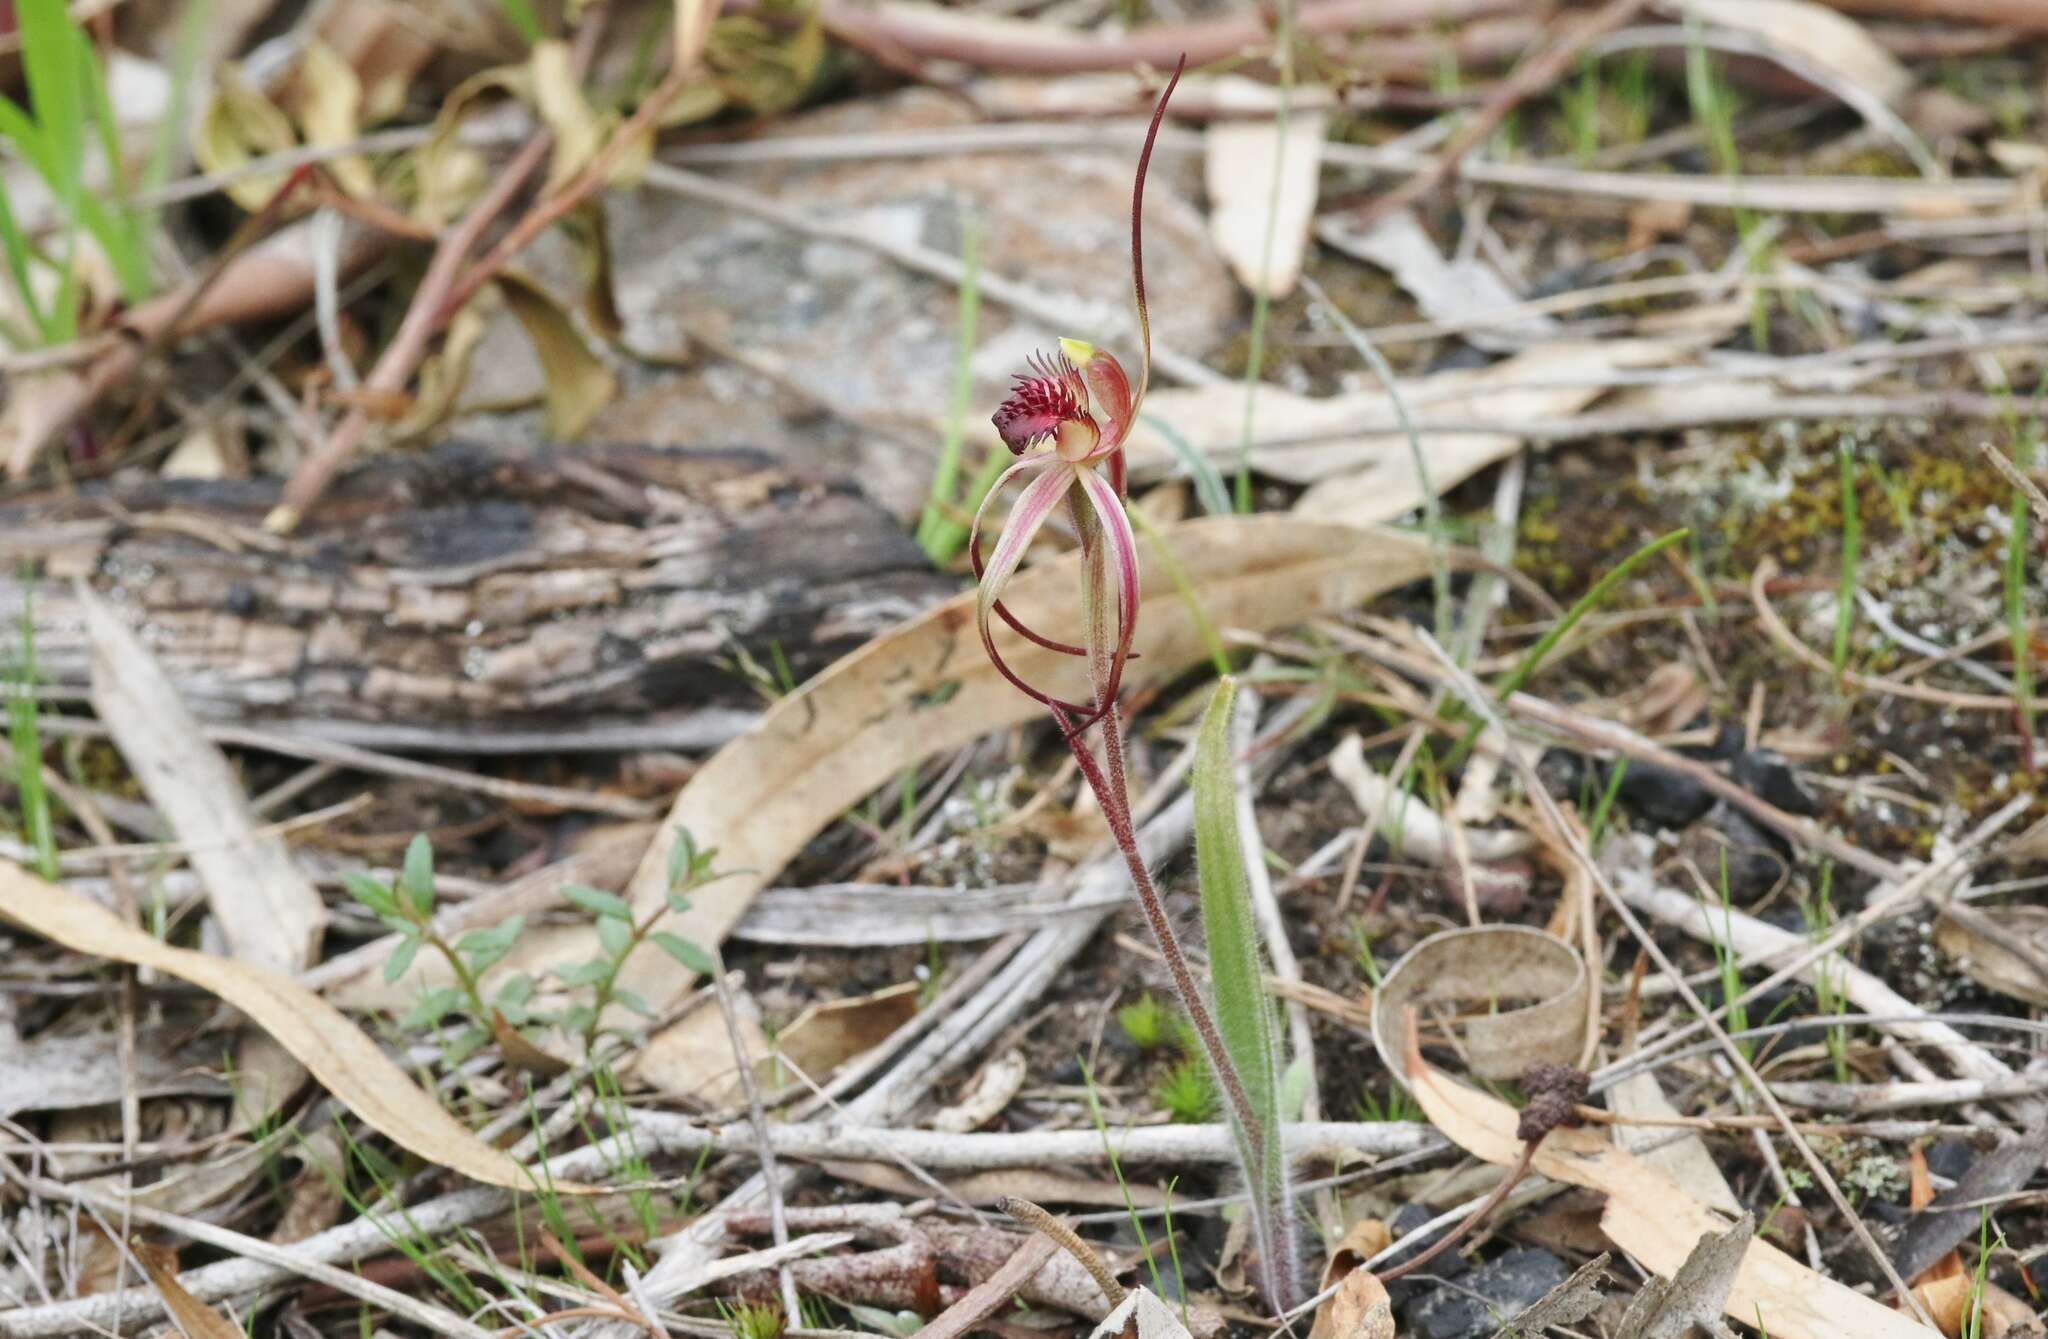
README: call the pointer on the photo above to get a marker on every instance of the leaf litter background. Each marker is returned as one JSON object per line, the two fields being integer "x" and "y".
{"x": 1763, "y": 269}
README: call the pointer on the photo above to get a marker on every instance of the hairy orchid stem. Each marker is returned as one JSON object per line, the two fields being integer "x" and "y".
{"x": 1108, "y": 784}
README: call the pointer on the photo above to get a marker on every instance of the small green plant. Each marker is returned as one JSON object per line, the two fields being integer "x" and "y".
{"x": 67, "y": 102}
{"x": 1713, "y": 108}
{"x": 1973, "y": 1322}
{"x": 408, "y": 909}
{"x": 26, "y": 739}
{"x": 1187, "y": 1094}
{"x": 940, "y": 530}
{"x": 1827, "y": 976}
{"x": 1143, "y": 1021}
{"x": 753, "y": 1320}
{"x": 1580, "y": 101}
{"x": 1852, "y": 543}
{"x": 1725, "y": 963}
{"x": 1368, "y": 961}
{"x": 1399, "y": 1105}
{"x": 620, "y": 933}
{"x": 1596, "y": 827}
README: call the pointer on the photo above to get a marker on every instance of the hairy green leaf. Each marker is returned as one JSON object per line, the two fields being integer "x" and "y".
{"x": 417, "y": 878}
{"x": 1244, "y": 1016}
{"x": 597, "y": 902}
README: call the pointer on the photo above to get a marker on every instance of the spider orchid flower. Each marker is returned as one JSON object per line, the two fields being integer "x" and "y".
{"x": 1067, "y": 420}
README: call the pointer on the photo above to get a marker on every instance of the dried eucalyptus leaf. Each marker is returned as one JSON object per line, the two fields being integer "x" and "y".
{"x": 326, "y": 99}
{"x": 1669, "y": 1308}
{"x": 578, "y": 382}
{"x": 239, "y": 125}
{"x": 1567, "y": 1304}
{"x": 1141, "y": 1316}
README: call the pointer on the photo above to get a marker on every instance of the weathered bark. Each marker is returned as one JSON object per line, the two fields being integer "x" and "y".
{"x": 472, "y": 593}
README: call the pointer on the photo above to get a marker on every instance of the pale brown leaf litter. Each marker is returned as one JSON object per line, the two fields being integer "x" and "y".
{"x": 533, "y": 650}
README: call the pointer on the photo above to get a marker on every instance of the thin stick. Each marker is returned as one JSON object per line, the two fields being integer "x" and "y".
{"x": 420, "y": 1313}
{"x": 744, "y": 1063}
{"x": 1029, "y": 1214}
{"x": 1479, "y": 701}
{"x": 1534, "y": 75}
{"x": 989, "y": 1295}
{"x": 1026, "y": 51}
{"x": 427, "y": 314}
{"x": 1621, "y": 739}
{"x": 1812, "y": 659}
{"x": 2013, "y": 475}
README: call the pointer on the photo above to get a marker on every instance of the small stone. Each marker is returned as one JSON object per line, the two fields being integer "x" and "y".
{"x": 1664, "y": 797}
{"x": 1490, "y": 1295}
{"x": 1950, "y": 1158}
{"x": 1770, "y": 777}
{"x": 1563, "y": 773}
{"x": 1729, "y": 842}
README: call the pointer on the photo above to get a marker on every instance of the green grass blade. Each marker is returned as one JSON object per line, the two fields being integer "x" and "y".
{"x": 16, "y": 245}
{"x": 1205, "y": 627}
{"x": 1586, "y": 604}
{"x": 116, "y": 232}
{"x": 1210, "y": 490}
{"x": 2016, "y": 580}
{"x": 49, "y": 60}
{"x": 1432, "y": 508}
{"x": 936, "y": 523}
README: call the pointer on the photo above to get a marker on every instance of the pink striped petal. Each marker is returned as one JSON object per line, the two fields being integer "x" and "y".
{"x": 1027, "y": 517}
{"x": 1122, "y": 547}
{"x": 980, "y": 569}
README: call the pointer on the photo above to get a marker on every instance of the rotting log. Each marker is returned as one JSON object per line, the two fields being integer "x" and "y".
{"x": 472, "y": 597}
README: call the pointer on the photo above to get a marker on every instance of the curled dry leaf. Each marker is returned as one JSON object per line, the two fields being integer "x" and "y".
{"x": 1359, "y": 1309}
{"x": 238, "y": 126}
{"x": 826, "y": 1036}
{"x": 326, "y": 99}
{"x": 1833, "y": 42}
{"x": 1653, "y": 1219}
{"x": 1143, "y": 1316}
{"x": 1262, "y": 180}
{"x": 194, "y": 1317}
{"x": 927, "y": 687}
{"x": 578, "y": 382}
{"x": 345, "y": 1061}
{"x": 1696, "y": 1295}
{"x": 1518, "y": 996}
{"x": 999, "y": 1081}
{"x": 1950, "y": 1301}
{"x": 2004, "y": 948}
